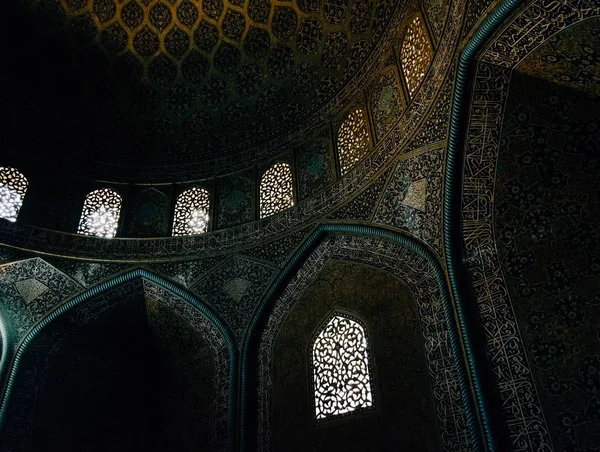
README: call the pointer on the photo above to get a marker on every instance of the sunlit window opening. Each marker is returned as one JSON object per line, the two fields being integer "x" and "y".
{"x": 353, "y": 140}
{"x": 276, "y": 190}
{"x": 192, "y": 212}
{"x": 13, "y": 186}
{"x": 341, "y": 370}
{"x": 416, "y": 54}
{"x": 100, "y": 216}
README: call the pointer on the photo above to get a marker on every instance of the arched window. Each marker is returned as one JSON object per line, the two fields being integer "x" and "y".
{"x": 276, "y": 190}
{"x": 353, "y": 139}
{"x": 191, "y": 212}
{"x": 341, "y": 369}
{"x": 13, "y": 186}
{"x": 100, "y": 216}
{"x": 416, "y": 54}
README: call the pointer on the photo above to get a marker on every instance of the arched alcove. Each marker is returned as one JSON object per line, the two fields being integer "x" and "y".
{"x": 403, "y": 415}
{"x": 122, "y": 371}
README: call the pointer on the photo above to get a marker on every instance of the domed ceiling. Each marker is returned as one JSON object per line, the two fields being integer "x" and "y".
{"x": 175, "y": 81}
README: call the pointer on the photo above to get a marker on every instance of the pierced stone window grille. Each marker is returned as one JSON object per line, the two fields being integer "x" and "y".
{"x": 192, "y": 212}
{"x": 341, "y": 369}
{"x": 276, "y": 190}
{"x": 353, "y": 140}
{"x": 416, "y": 54}
{"x": 100, "y": 216}
{"x": 13, "y": 186}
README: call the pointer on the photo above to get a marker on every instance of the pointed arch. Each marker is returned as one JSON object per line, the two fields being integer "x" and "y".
{"x": 353, "y": 139}
{"x": 310, "y": 251}
{"x": 340, "y": 364}
{"x": 179, "y": 296}
{"x": 100, "y": 215}
{"x": 13, "y": 185}
{"x": 416, "y": 54}
{"x": 192, "y": 212}
{"x": 276, "y": 189}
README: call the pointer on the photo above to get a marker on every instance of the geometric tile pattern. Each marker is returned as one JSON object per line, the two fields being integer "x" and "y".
{"x": 236, "y": 288}
{"x": 416, "y": 195}
{"x": 217, "y": 71}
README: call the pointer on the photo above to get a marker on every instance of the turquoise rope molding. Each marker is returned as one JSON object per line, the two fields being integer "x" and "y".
{"x": 6, "y": 348}
{"x": 198, "y": 304}
{"x": 295, "y": 263}
{"x": 452, "y": 207}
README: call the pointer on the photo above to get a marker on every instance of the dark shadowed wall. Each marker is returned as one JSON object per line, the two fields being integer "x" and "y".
{"x": 119, "y": 373}
{"x": 546, "y": 218}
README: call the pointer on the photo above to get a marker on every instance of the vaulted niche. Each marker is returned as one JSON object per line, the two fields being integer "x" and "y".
{"x": 364, "y": 326}
{"x": 119, "y": 373}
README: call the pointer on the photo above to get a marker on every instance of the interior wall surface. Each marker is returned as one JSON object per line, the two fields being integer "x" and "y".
{"x": 535, "y": 289}
{"x": 547, "y": 234}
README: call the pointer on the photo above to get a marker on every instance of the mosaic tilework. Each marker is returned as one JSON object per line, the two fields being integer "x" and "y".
{"x": 413, "y": 198}
{"x": 88, "y": 273}
{"x": 22, "y": 420}
{"x": 279, "y": 251}
{"x": 217, "y": 344}
{"x": 235, "y": 200}
{"x": 475, "y": 13}
{"x": 149, "y": 214}
{"x": 335, "y": 194}
{"x": 30, "y": 289}
{"x": 183, "y": 52}
{"x": 314, "y": 167}
{"x": 11, "y": 254}
{"x": 570, "y": 58}
{"x": 187, "y": 273}
{"x": 437, "y": 11}
{"x": 545, "y": 220}
{"x": 414, "y": 271}
{"x": 530, "y": 28}
{"x": 363, "y": 206}
{"x": 234, "y": 288}
{"x": 387, "y": 102}
{"x": 435, "y": 127}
